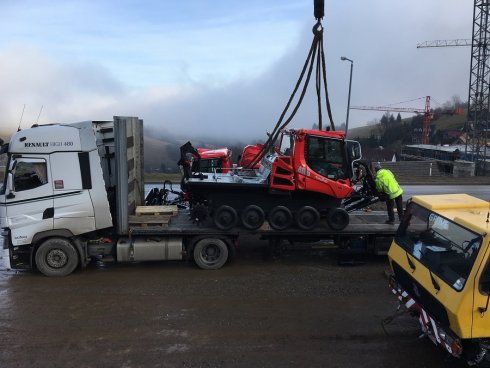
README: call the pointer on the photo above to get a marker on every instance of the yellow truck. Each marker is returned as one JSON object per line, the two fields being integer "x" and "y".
{"x": 440, "y": 260}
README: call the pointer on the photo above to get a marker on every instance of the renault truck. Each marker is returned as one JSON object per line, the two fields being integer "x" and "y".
{"x": 69, "y": 196}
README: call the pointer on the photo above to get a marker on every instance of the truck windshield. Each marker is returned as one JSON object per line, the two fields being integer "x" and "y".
{"x": 447, "y": 249}
{"x": 208, "y": 165}
{"x": 326, "y": 157}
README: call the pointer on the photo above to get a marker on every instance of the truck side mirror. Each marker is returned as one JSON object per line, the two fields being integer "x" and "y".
{"x": 484, "y": 287}
{"x": 10, "y": 186}
{"x": 353, "y": 150}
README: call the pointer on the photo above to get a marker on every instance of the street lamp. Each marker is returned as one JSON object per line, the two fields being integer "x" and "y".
{"x": 343, "y": 58}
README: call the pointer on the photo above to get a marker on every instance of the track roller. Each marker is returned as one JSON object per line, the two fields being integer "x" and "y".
{"x": 280, "y": 218}
{"x": 252, "y": 217}
{"x": 225, "y": 217}
{"x": 337, "y": 219}
{"x": 307, "y": 218}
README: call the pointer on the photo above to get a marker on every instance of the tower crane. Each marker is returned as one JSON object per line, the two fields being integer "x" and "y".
{"x": 424, "y": 139}
{"x": 477, "y": 125}
{"x": 444, "y": 43}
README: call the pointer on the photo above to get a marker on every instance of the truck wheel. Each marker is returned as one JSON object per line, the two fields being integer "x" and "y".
{"x": 280, "y": 218}
{"x": 307, "y": 218}
{"x": 56, "y": 257}
{"x": 337, "y": 219}
{"x": 252, "y": 217}
{"x": 210, "y": 254}
{"x": 225, "y": 217}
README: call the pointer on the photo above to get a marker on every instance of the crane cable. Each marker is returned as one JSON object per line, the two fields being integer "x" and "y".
{"x": 325, "y": 86}
{"x": 315, "y": 54}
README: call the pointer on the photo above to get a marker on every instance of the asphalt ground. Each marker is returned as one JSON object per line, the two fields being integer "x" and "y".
{"x": 303, "y": 310}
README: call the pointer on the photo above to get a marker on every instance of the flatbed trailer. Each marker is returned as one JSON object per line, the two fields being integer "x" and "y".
{"x": 366, "y": 233}
{"x": 361, "y": 224}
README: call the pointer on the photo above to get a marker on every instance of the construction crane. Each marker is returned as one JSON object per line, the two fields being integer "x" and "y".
{"x": 424, "y": 139}
{"x": 477, "y": 124}
{"x": 444, "y": 43}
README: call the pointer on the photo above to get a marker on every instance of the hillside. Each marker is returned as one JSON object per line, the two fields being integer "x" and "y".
{"x": 160, "y": 154}
{"x": 440, "y": 123}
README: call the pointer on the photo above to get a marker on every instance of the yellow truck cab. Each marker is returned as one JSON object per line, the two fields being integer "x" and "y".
{"x": 441, "y": 273}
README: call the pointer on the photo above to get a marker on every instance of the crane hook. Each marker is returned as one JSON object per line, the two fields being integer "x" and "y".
{"x": 317, "y": 28}
{"x": 319, "y": 6}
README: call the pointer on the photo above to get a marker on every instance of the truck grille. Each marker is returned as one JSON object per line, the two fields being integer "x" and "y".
{"x": 421, "y": 295}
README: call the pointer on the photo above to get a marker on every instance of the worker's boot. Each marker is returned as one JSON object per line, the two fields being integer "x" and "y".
{"x": 390, "y": 221}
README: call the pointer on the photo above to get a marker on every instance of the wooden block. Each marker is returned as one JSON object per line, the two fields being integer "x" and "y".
{"x": 150, "y": 220}
{"x": 156, "y": 210}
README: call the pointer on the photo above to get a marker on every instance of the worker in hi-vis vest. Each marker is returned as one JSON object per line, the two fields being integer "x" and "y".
{"x": 387, "y": 184}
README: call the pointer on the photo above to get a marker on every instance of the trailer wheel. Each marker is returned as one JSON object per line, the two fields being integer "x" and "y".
{"x": 210, "y": 253}
{"x": 337, "y": 219}
{"x": 280, "y": 218}
{"x": 225, "y": 217}
{"x": 307, "y": 218}
{"x": 252, "y": 217}
{"x": 56, "y": 257}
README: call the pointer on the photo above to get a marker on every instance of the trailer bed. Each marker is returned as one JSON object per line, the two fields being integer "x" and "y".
{"x": 361, "y": 223}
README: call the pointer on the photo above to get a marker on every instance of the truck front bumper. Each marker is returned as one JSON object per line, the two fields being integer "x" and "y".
{"x": 429, "y": 326}
{"x": 20, "y": 257}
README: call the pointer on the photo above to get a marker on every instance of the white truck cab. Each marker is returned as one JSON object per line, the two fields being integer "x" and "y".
{"x": 54, "y": 181}
{"x": 53, "y": 186}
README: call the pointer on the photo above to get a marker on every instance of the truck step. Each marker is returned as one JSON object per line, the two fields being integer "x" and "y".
{"x": 108, "y": 259}
{"x": 150, "y": 220}
{"x": 156, "y": 210}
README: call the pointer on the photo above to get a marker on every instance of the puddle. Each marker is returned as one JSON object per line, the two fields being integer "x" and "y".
{"x": 4, "y": 257}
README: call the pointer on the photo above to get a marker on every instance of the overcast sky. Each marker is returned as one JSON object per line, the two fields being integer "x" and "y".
{"x": 221, "y": 68}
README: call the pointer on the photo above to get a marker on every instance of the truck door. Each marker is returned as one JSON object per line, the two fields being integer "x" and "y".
{"x": 29, "y": 199}
{"x": 74, "y": 209}
{"x": 330, "y": 172}
{"x": 481, "y": 298}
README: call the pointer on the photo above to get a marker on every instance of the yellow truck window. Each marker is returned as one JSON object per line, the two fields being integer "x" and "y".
{"x": 447, "y": 249}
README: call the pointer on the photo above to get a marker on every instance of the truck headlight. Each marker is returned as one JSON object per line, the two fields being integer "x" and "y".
{"x": 4, "y": 237}
{"x": 4, "y": 232}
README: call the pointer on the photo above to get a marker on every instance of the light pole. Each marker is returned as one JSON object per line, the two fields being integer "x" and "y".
{"x": 343, "y": 58}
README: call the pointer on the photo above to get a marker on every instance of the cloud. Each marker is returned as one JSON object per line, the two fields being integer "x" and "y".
{"x": 144, "y": 43}
{"x": 66, "y": 91}
{"x": 243, "y": 109}
{"x": 235, "y": 76}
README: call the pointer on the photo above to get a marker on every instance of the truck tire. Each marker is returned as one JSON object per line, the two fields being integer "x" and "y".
{"x": 337, "y": 219}
{"x": 56, "y": 257}
{"x": 225, "y": 217}
{"x": 280, "y": 218}
{"x": 307, "y": 218}
{"x": 252, "y": 217}
{"x": 210, "y": 253}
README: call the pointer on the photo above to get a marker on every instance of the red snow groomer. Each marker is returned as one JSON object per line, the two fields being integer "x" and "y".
{"x": 308, "y": 176}
{"x": 212, "y": 160}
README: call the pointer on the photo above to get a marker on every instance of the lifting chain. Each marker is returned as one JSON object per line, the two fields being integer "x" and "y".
{"x": 315, "y": 58}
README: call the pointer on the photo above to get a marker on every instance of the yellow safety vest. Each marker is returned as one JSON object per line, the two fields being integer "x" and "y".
{"x": 386, "y": 183}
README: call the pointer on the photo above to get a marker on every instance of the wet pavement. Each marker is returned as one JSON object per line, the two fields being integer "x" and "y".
{"x": 301, "y": 311}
